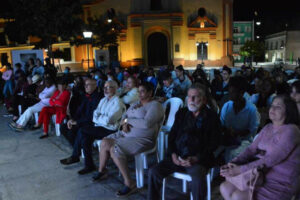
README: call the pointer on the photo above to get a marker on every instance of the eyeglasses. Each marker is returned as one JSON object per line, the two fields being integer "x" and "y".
{"x": 108, "y": 87}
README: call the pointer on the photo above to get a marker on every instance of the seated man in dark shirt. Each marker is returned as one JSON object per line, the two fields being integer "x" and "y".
{"x": 192, "y": 140}
{"x": 84, "y": 113}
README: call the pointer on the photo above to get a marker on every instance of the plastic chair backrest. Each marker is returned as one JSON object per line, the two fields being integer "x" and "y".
{"x": 175, "y": 104}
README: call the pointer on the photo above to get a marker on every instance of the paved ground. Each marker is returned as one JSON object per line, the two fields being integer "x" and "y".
{"x": 30, "y": 170}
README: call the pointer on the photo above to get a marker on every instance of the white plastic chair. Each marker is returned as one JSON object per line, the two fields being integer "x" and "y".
{"x": 141, "y": 162}
{"x": 175, "y": 104}
{"x": 57, "y": 126}
{"x": 36, "y": 117}
{"x": 20, "y": 110}
{"x": 187, "y": 178}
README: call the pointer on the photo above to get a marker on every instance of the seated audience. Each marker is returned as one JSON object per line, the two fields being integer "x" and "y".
{"x": 67, "y": 76}
{"x": 7, "y": 76}
{"x": 276, "y": 150}
{"x": 84, "y": 112}
{"x": 106, "y": 120}
{"x": 58, "y": 106}
{"x": 193, "y": 139}
{"x": 140, "y": 126}
{"x": 18, "y": 72}
{"x": 239, "y": 119}
{"x": 78, "y": 92}
{"x": 18, "y": 96}
{"x": 182, "y": 79}
{"x": 39, "y": 69}
{"x": 151, "y": 77}
{"x": 199, "y": 76}
{"x": 170, "y": 88}
{"x": 130, "y": 94}
{"x": 220, "y": 88}
{"x": 30, "y": 95}
{"x": 44, "y": 97}
{"x": 295, "y": 93}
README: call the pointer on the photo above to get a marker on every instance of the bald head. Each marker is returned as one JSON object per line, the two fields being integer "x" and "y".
{"x": 90, "y": 86}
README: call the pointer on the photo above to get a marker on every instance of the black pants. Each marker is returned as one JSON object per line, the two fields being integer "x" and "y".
{"x": 85, "y": 138}
{"x": 69, "y": 134}
{"x": 16, "y": 101}
{"x": 166, "y": 167}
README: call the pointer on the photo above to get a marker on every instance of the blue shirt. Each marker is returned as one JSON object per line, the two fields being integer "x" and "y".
{"x": 246, "y": 119}
{"x": 38, "y": 70}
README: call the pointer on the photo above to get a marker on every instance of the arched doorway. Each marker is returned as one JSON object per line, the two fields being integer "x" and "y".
{"x": 157, "y": 49}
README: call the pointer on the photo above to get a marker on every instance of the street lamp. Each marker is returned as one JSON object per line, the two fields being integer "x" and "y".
{"x": 88, "y": 35}
{"x": 258, "y": 23}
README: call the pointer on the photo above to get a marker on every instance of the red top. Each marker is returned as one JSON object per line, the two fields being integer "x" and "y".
{"x": 60, "y": 102}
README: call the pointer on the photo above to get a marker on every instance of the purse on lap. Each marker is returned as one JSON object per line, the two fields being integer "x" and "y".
{"x": 247, "y": 180}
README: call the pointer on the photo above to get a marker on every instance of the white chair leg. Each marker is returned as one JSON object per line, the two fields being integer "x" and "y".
{"x": 184, "y": 186}
{"x": 208, "y": 181}
{"x": 212, "y": 171}
{"x": 145, "y": 161}
{"x": 163, "y": 189}
{"x": 99, "y": 144}
{"x": 57, "y": 129}
{"x": 166, "y": 140}
{"x": 191, "y": 196}
{"x": 82, "y": 154}
{"x": 139, "y": 170}
{"x": 20, "y": 110}
{"x": 36, "y": 117}
{"x": 161, "y": 145}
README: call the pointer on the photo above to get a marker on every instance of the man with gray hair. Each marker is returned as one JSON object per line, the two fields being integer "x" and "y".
{"x": 194, "y": 137}
{"x": 106, "y": 120}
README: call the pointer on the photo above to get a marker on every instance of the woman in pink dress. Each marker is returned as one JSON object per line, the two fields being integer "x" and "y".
{"x": 277, "y": 149}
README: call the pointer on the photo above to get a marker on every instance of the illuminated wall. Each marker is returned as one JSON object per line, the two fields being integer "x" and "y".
{"x": 174, "y": 20}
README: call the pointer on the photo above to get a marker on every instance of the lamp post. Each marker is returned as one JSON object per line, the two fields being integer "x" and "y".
{"x": 88, "y": 35}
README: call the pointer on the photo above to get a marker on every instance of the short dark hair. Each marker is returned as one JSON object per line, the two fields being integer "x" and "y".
{"x": 296, "y": 85}
{"x": 180, "y": 68}
{"x": 166, "y": 75}
{"x": 239, "y": 83}
{"x": 62, "y": 81}
{"x": 291, "y": 110}
{"x": 148, "y": 86}
{"x": 227, "y": 69}
{"x": 18, "y": 65}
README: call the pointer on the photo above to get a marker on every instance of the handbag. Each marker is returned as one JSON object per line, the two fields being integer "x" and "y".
{"x": 247, "y": 180}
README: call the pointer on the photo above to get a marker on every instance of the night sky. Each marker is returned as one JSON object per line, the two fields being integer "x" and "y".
{"x": 274, "y": 15}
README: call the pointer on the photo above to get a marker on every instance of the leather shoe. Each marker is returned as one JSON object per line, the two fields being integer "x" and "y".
{"x": 86, "y": 170}
{"x": 70, "y": 160}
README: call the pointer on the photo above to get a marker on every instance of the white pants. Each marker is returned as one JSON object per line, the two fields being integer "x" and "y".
{"x": 24, "y": 118}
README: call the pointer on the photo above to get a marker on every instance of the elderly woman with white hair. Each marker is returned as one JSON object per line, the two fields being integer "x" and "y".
{"x": 106, "y": 120}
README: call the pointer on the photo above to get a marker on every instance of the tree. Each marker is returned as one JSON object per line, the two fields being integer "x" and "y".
{"x": 47, "y": 20}
{"x": 104, "y": 33}
{"x": 253, "y": 50}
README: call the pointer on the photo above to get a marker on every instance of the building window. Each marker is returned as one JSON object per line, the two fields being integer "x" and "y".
{"x": 282, "y": 44}
{"x": 235, "y": 30}
{"x": 267, "y": 46}
{"x": 276, "y": 45}
{"x": 271, "y": 46}
{"x": 67, "y": 55}
{"x": 156, "y": 5}
{"x": 177, "y": 48}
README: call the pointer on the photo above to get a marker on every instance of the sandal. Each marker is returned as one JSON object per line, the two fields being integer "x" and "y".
{"x": 100, "y": 176}
{"x": 125, "y": 191}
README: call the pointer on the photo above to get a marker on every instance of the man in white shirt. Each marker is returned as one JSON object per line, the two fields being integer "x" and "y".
{"x": 106, "y": 120}
{"x": 44, "y": 97}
